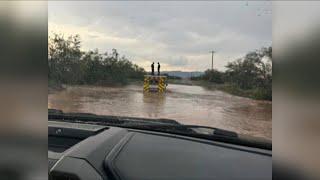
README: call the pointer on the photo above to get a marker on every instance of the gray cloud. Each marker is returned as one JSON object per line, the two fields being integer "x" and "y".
{"x": 176, "y": 61}
{"x": 181, "y": 34}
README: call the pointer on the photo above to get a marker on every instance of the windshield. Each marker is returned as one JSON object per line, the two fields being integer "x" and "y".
{"x": 197, "y": 63}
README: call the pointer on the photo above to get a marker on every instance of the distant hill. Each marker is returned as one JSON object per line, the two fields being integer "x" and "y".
{"x": 183, "y": 74}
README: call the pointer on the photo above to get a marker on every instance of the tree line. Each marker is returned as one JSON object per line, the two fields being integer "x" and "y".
{"x": 250, "y": 75}
{"x": 68, "y": 64}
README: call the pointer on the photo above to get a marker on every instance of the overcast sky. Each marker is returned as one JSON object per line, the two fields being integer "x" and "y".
{"x": 177, "y": 34}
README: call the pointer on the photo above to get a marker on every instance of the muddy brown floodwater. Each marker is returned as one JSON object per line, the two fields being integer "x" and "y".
{"x": 186, "y": 104}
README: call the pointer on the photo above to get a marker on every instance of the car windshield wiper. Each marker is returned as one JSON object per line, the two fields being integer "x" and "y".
{"x": 195, "y": 129}
{"x": 129, "y": 122}
{"x": 105, "y": 120}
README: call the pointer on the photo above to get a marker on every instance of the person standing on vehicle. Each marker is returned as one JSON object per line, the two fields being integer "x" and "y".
{"x": 152, "y": 68}
{"x": 158, "y": 69}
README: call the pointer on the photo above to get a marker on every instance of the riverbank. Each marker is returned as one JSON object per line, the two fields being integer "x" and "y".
{"x": 56, "y": 86}
{"x": 256, "y": 94}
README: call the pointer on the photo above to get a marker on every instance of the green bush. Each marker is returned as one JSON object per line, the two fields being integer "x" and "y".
{"x": 249, "y": 76}
{"x": 262, "y": 94}
{"x": 69, "y": 65}
{"x": 213, "y": 75}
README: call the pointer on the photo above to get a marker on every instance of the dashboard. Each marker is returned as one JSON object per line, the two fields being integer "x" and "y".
{"x": 84, "y": 151}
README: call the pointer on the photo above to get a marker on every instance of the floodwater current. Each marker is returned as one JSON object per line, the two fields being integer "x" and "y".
{"x": 186, "y": 104}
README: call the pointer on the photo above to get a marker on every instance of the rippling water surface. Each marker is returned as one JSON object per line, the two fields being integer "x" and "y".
{"x": 186, "y": 104}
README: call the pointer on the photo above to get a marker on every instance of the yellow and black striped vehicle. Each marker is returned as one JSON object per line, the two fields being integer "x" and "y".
{"x": 153, "y": 83}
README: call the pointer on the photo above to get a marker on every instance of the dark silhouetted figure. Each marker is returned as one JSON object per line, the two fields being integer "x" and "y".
{"x": 158, "y": 69}
{"x": 152, "y": 68}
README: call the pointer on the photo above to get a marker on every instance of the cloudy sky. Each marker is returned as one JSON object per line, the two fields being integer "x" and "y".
{"x": 177, "y": 34}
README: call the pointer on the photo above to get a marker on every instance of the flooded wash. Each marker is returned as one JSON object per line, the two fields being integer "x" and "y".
{"x": 186, "y": 104}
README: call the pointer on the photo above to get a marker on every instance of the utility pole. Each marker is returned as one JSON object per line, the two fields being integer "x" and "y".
{"x": 212, "y": 59}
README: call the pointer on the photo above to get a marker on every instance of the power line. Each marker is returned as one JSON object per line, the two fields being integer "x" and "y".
{"x": 212, "y": 59}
